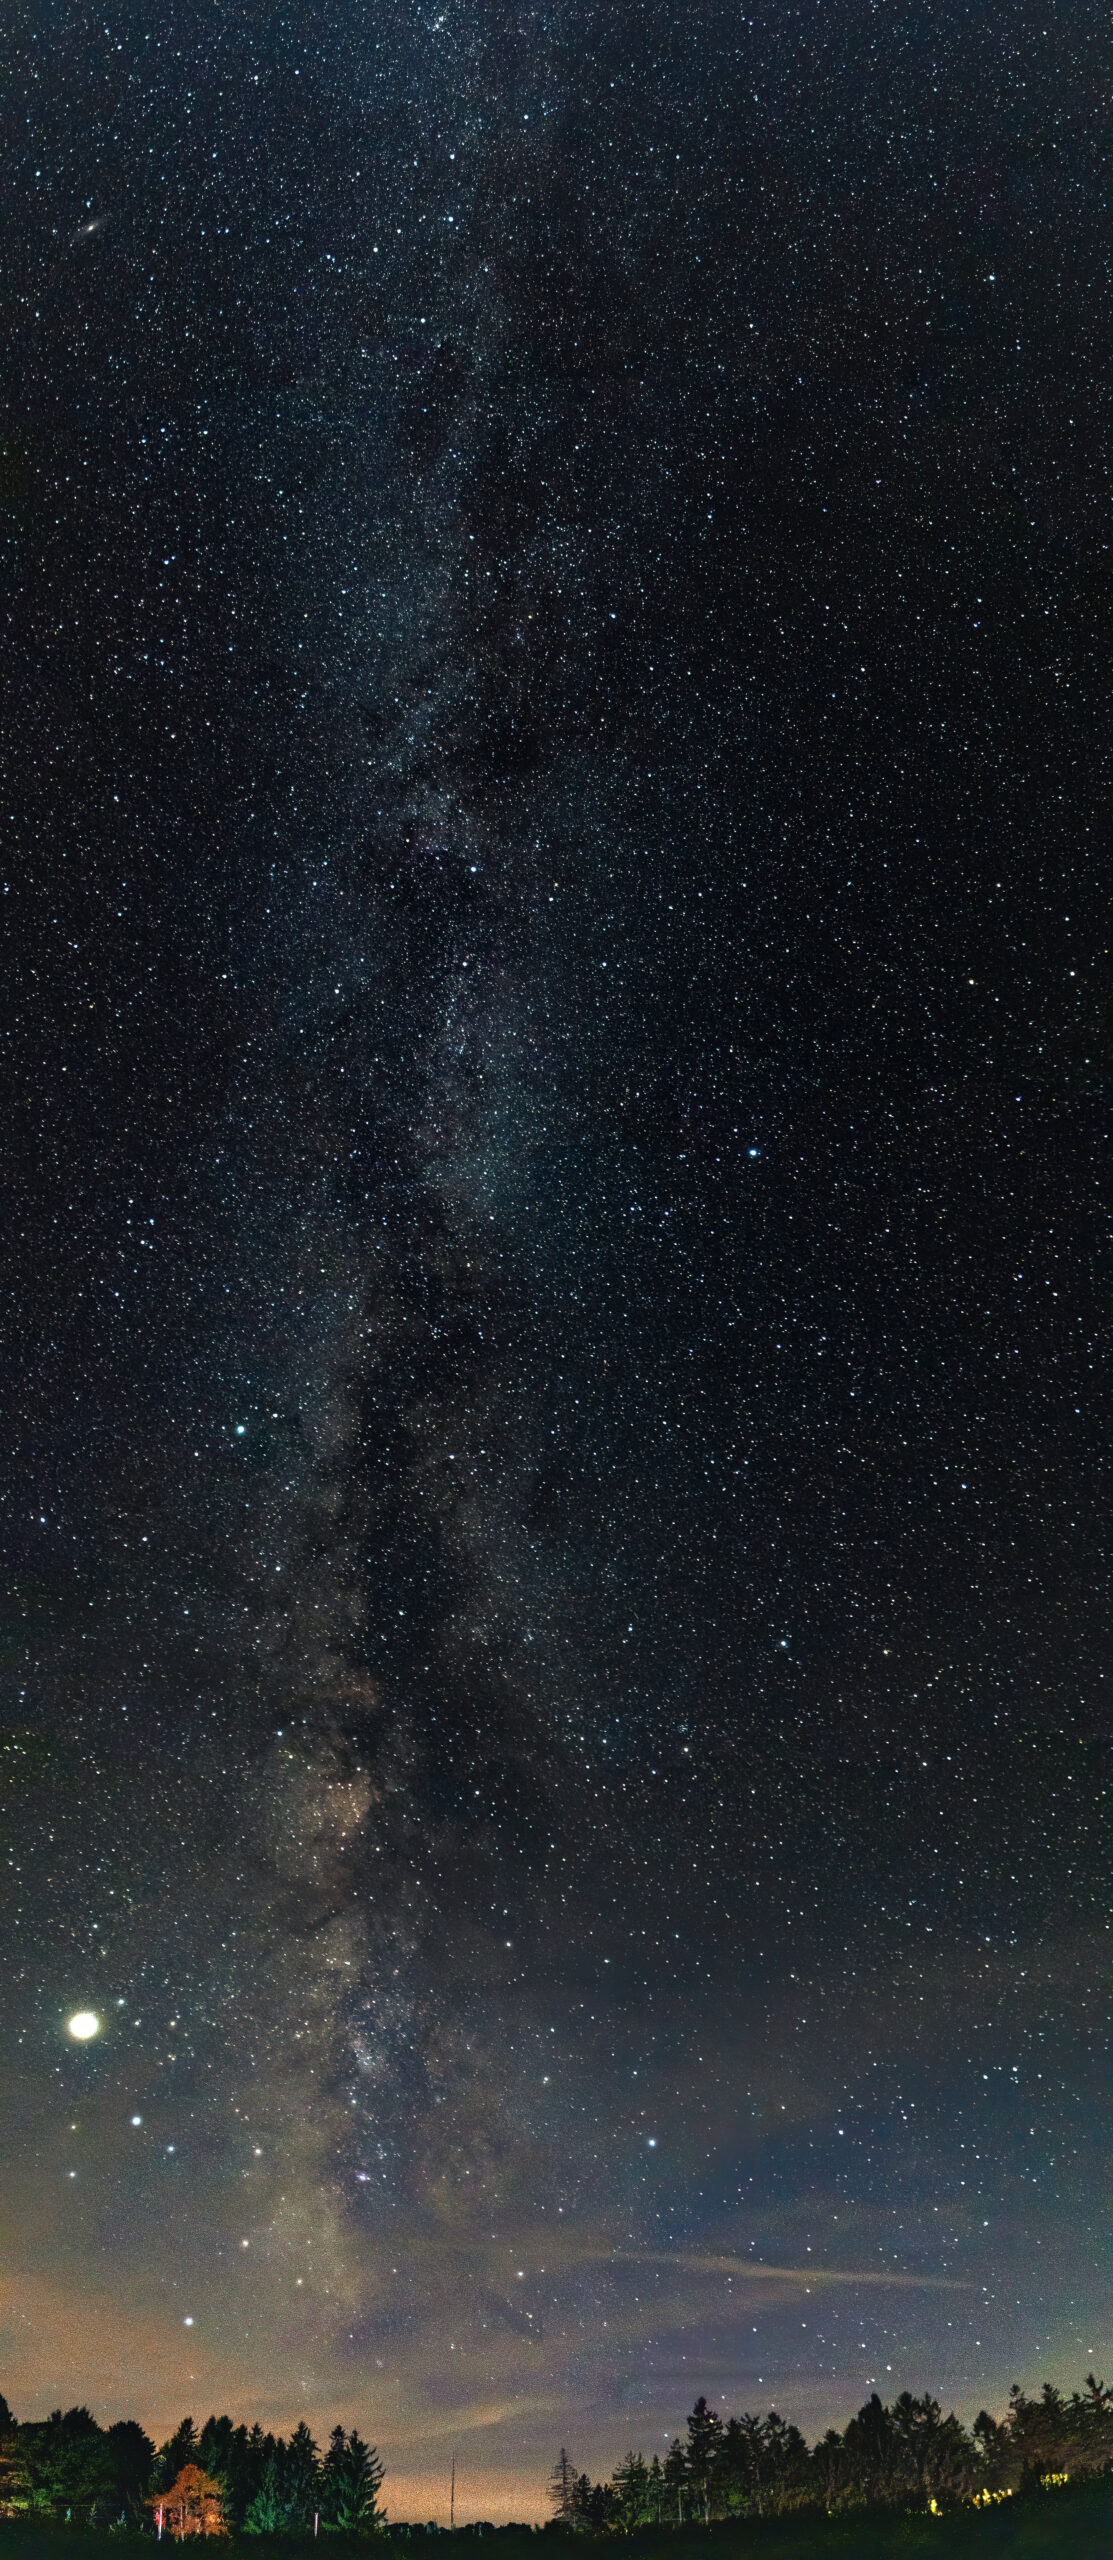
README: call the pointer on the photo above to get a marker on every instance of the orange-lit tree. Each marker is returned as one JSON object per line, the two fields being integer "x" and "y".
{"x": 193, "y": 2505}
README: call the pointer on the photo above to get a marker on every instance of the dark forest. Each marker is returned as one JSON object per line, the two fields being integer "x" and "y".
{"x": 228, "y": 2478}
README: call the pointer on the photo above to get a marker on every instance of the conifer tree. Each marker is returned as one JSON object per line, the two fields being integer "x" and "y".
{"x": 676, "y": 2480}
{"x": 351, "y": 2478}
{"x": 172, "y": 2456}
{"x": 133, "y": 2459}
{"x": 631, "y": 2483}
{"x": 267, "y": 2511}
{"x": 705, "y": 2438}
{"x": 301, "y": 2481}
{"x": 562, "y": 2490}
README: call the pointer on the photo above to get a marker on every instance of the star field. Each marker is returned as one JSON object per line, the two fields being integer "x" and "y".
{"x": 557, "y": 1050}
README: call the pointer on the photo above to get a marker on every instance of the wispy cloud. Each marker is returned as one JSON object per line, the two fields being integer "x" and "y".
{"x": 475, "y": 2418}
{"x": 698, "y": 2262}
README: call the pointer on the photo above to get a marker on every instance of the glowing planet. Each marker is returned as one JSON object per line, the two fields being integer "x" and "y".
{"x": 83, "y": 2024}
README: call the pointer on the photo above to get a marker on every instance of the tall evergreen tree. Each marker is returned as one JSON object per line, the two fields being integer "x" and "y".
{"x": 332, "y": 2475}
{"x": 267, "y": 2512}
{"x": 301, "y": 2477}
{"x": 351, "y": 2478}
{"x": 562, "y": 2489}
{"x": 172, "y": 2456}
{"x": 705, "y": 2441}
{"x": 133, "y": 2459}
{"x": 631, "y": 2482}
{"x": 256, "y": 2454}
{"x": 675, "y": 2470}
{"x": 581, "y": 2502}
{"x": 223, "y": 2451}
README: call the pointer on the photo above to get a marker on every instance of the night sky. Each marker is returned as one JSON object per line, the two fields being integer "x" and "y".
{"x": 557, "y": 621}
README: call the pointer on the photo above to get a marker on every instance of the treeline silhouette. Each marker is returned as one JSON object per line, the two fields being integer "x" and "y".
{"x": 236, "y": 2478}
{"x": 903, "y": 2455}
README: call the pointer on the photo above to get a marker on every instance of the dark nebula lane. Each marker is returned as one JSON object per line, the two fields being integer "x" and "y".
{"x": 557, "y": 623}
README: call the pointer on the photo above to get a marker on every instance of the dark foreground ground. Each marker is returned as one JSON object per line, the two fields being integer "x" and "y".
{"x": 1074, "y": 2522}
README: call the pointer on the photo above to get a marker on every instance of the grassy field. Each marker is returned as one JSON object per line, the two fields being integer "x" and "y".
{"x": 1063, "y": 2524}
